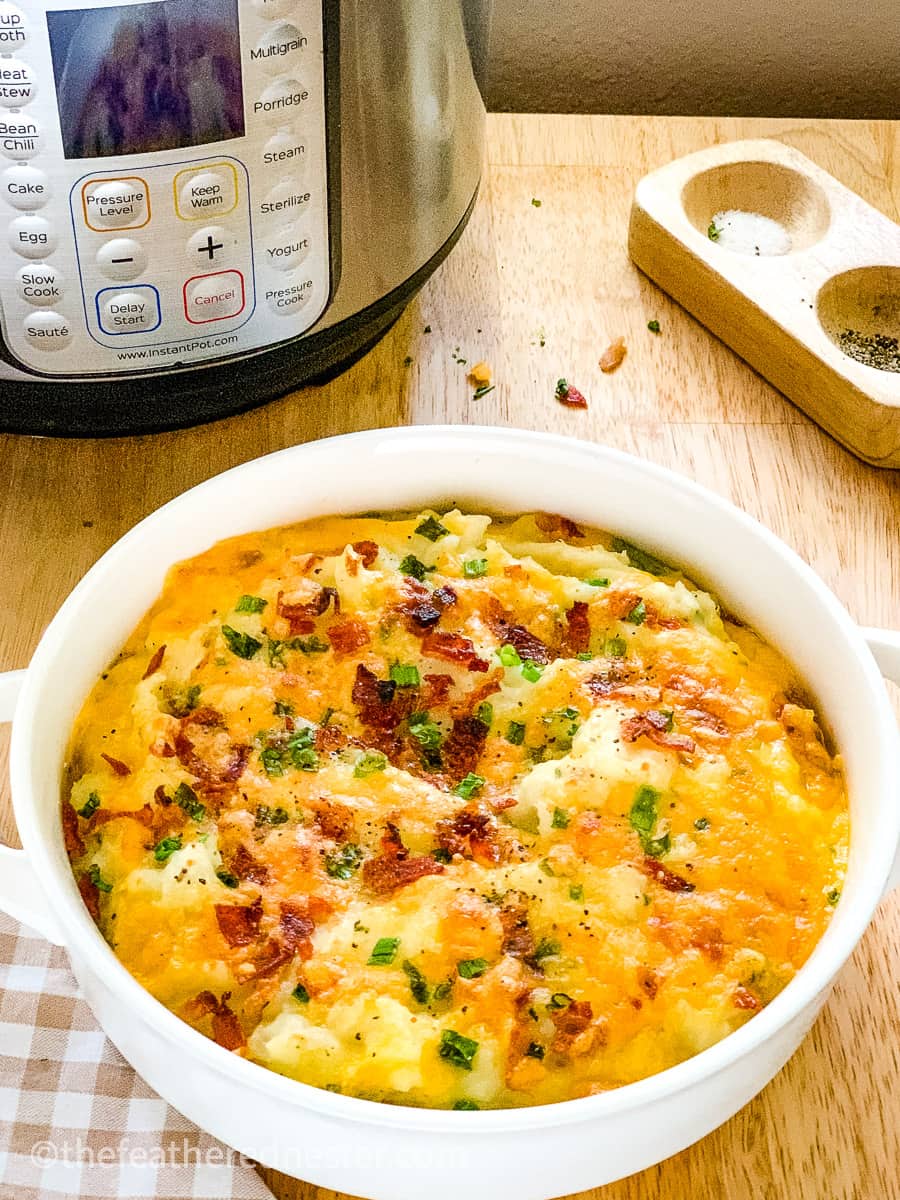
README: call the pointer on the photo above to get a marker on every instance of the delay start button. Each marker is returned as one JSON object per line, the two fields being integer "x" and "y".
{"x": 214, "y": 297}
{"x": 122, "y": 203}
{"x": 128, "y": 310}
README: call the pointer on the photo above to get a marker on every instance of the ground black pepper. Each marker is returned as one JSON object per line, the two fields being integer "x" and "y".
{"x": 875, "y": 350}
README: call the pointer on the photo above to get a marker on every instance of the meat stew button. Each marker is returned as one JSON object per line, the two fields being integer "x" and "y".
{"x": 16, "y": 83}
{"x": 213, "y": 297}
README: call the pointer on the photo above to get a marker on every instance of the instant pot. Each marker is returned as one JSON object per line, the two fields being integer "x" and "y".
{"x": 209, "y": 202}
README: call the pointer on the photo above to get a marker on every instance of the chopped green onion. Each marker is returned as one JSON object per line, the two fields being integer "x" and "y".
{"x": 226, "y": 878}
{"x": 535, "y": 1050}
{"x": 443, "y": 989}
{"x": 418, "y": 985}
{"x": 90, "y": 806}
{"x": 432, "y": 529}
{"x": 271, "y": 816}
{"x": 469, "y": 785}
{"x": 97, "y": 879}
{"x": 383, "y": 952}
{"x": 576, "y": 892}
{"x": 283, "y": 709}
{"x": 509, "y": 656}
{"x": 186, "y": 799}
{"x": 653, "y": 325}
{"x": 701, "y": 823}
{"x": 482, "y": 390}
{"x": 532, "y": 671}
{"x": 404, "y": 675}
{"x": 616, "y": 647}
{"x": 485, "y": 713}
{"x": 638, "y": 614}
{"x": 369, "y": 763}
{"x": 641, "y": 559}
{"x": 473, "y": 568}
{"x": 561, "y": 819}
{"x": 833, "y": 895}
{"x": 429, "y": 737}
{"x": 545, "y": 866}
{"x": 547, "y": 948}
{"x": 271, "y": 761}
{"x": 343, "y": 863}
{"x": 515, "y": 733}
{"x": 559, "y": 1000}
{"x": 300, "y": 994}
{"x": 643, "y": 817}
{"x": 457, "y": 1049}
{"x": 604, "y": 582}
{"x": 465, "y": 1106}
{"x": 250, "y": 604}
{"x": 309, "y": 645}
{"x": 584, "y": 656}
{"x": 472, "y": 968}
{"x": 713, "y": 232}
{"x": 326, "y": 717}
{"x": 241, "y": 644}
{"x": 415, "y": 567}
{"x": 167, "y": 847}
{"x": 439, "y": 854}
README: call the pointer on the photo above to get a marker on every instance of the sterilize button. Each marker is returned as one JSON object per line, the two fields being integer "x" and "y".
{"x": 284, "y": 97}
{"x": 274, "y": 8}
{"x": 121, "y": 259}
{"x": 122, "y": 203}
{"x": 25, "y": 187}
{"x": 40, "y": 285}
{"x": 128, "y": 310}
{"x": 20, "y": 136}
{"x": 16, "y": 83}
{"x": 206, "y": 193}
{"x": 47, "y": 330}
{"x": 213, "y": 297}
{"x": 279, "y": 48}
{"x": 13, "y": 27}
{"x": 285, "y": 201}
{"x": 32, "y": 237}
{"x": 285, "y": 249}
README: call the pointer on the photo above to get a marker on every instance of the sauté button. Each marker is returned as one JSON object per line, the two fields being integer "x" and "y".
{"x": 32, "y": 237}
{"x": 206, "y": 192}
{"x": 47, "y": 330}
{"x": 128, "y": 310}
{"x": 25, "y": 187}
{"x": 279, "y": 48}
{"x": 17, "y": 83}
{"x": 13, "y": 27}
{"x": 274, "y": 8}
{"x": 285, "y": 249}
{"x": 285, "y": 148}
{"x": 40, "y": 285}
{"x": 20, "y": 136}
{"x": 121, "y": 259}
{"x": 122, "y": 203}
{"x": 213, "y": 297}
{"x": 287, "y": 300}
{"x": 282, "y": 98}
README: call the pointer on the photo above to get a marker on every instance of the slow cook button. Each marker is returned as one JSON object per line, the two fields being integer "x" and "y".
{"x": 286, "y": 201}
{"x": 47, "y": 330}
{"x": 20, "y": 136}
{"x": 25, "y": 187}
{"x": 16, "y": 83}
{"x": 285, "y": 249}
{"x": 116, "y": 203}
{"x": 128, "y": 310}
{"x": 40, "y": 285}
{"x": 287, "y": 300}
{"x": 282, "y": 97}
{"x": 32, "y": 237}
{"x": 213, "y": 297}
{"x": 279, "y": 48}
{"x": 13, "y": 28}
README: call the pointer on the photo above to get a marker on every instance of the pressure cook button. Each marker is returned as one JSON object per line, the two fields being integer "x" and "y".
{"x": 128, "y": 310}
{"x": 213, "y": 297}
{"x": 279, "y": 48}
{"x": 13, "y": 27}
{"x": 16, "y": 83}
{"x": 47, "y": 330}
{"x": 121, "y": 259}
{"x": 206, "y": 192}
{"x": 281, "y": 98}
{"x": 285, "y": 201}
{"x": 40, "y": 285}
{"x": 285, "y": 249}
{"x": 20, "y": 136}
{"x": 287, "y": 300}
{"x": 25, "y": 187}
{"x": 32, "y": 237}
{"x": 122, "y": 203}
{"x": 274, "y": 8}
{"x": 285, "y": 148}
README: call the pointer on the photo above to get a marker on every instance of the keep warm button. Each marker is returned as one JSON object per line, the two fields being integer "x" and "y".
{"x": 206, "y": 191}
{"x": 213, "y": 297}
{"x": 128, "y": 310}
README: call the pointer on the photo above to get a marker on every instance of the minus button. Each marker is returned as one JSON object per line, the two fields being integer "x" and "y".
{"x": 122, "y": 259}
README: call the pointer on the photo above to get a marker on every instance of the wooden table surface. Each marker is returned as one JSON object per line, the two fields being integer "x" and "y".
{"x": 539, "y": 291}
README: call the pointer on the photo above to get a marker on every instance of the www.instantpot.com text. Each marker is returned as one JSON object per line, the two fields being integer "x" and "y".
{"x": 180, "y": 349}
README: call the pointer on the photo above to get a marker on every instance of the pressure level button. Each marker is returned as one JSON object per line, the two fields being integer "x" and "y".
{"x": 122, "y": 203}
{"x": 40, "y": 285}
{"x": 17, "y": 83}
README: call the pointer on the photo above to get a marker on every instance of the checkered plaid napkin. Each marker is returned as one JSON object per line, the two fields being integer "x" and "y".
{"x": 75, "y": 1120}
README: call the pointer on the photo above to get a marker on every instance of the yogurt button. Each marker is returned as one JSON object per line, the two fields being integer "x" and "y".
{"x": 47, "y": 330}
{"x": 121, "y": 259}
{"x": 32, "y": 237}
{"x": 285, "y": 249}
{"x": 274, "y": 8}
{"x": 16, "y": 83}
{"x": 279, "y": 48}
{"x": 25, "y": 187}
{"x": 13, "y": 28}
{"x": 20, "y": 136}
{"x": 40, "y": 285}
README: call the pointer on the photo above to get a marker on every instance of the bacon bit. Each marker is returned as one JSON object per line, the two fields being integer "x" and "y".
{"x": 162, "y": 749}
{"x": 334, "y": 820}
{"x": 301, "y": 614}
{"x": 155, "y": 662}
{"x": 227, "y": 1029}
{"x": 144, "y": 815}
{"x": 528, "y": 645}
{"x": 745, "y": 999}
{"x": 709, "y": 724}
{"x": 117, "y": 765}
{"x": 572, "y": 1024}
{"x": 423, "y": 616}
{"x": 436, "y": 689}
{"x": 561, "y": 527}
{"x": 367, "y": 551}
{"x": 648, "y": 982}
{"x": 207, "y": 751}
{"x": 348, "y": 636}
{"x": 487, "y": 687}
{"x": 472, "y": 833}
{"x": 669, "y": 880}
{"x": 578, "y": 628}
{"x": 569, "y": 395}
{"x": 272, "y": 957}
{"x": 71, "y": 836}
{"x": 707, "y": 938}
{"x": 518, "y": 940}
{"x": 444, "y": 596}
{"x": 608, "y": 681}
{"x": 297, "y": 927}
{"x": 454, "y": 648}
{"x": 652, "y": 724}
{"x": 90, "y": 894}
{"x": 239, "y": 923}
{"x": 246, "y": 866}
{"x": 393, "y": 868}
{"x": 613, "y": 356}
{"x": 380, "y": 702}
{"x": 463, "y": 746}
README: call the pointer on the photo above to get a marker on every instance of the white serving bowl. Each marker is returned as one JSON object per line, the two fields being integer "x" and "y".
{"x": 395, "y": 1153}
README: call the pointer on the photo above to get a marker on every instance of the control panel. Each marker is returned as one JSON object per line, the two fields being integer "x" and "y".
{"x": 164, "y": 182}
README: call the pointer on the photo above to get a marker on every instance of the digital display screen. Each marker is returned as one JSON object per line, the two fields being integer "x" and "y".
{"x": 136, "y": 78}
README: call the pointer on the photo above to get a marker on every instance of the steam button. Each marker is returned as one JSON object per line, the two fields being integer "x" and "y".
{"x": 32, "y": 237}
{"x": 40, "y": 285}
{"x": 13, "y": 27}
{"x": 47, "y": 330}
{"x": 16, "y": 83}
{"x": 25, "y": 187}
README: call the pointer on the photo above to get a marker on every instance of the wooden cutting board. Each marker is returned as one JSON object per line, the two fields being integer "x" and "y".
{"x": 540, "y": 284}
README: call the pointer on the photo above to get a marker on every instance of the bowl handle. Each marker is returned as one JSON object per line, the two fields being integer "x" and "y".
{"x": 21, "y": 894}
{"x": 885, "y": 646}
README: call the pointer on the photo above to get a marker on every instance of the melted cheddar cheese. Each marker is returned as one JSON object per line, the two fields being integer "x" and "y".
{"x": 452, "y": 810}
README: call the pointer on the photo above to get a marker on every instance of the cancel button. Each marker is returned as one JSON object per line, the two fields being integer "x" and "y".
{"x": 213, "y": 297}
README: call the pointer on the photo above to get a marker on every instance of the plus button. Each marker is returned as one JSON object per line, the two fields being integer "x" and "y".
{"x": 210, "y": 248}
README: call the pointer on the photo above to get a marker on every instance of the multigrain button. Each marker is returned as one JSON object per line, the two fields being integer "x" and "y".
{"x": 47, "y": 330}
{"x": 17, "y": 83}
{"x": 279, "y": 49}
{"x": 32, "y": 237}
{"x": 40, "y": 285}
{"x": 121, "y": 259}
{"x": 206, "y": 192}
{"x": 281, "y": 98}
{"x": 128, "y": 310}
{"x": 213, "y": 297}
{"x": 285, "y": 201}
{"x": 274, "y": 8}
{"x": 285, "y": 249}
{"x": 287, "y": 300}
{"x": 121, "y": 203}
{"x": 13, "y": 28}
{"x": 286, "y": 149}
{"x": 25, "y": 187}
{"x": 20, "y": 136}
